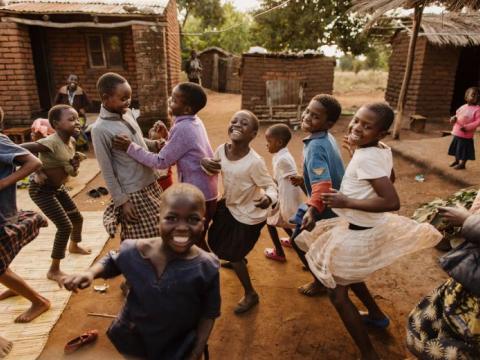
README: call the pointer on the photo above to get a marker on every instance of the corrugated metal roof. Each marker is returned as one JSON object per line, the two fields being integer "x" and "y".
{"x": 98, "y": 7}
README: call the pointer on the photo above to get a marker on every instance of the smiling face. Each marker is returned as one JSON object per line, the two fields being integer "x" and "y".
{"x": 242, "y": 127}
{"x": 177, "y": 105}
{"x": 119, "y": 101}
{"x": 314, "y": 118}
{"x": 366, "y": 128}
{"x": 181, "y": 221}
{"x": 68, "y": 122}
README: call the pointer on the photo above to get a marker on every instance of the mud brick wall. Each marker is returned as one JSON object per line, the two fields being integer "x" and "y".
{"x": 174, "y": 59}
{"x": 233, "y": 75}
{"x": 207, "y": 69}
{"x": 150, "y": 56}
{"x": 315, "y": 71}
{"x": 433, "y": 78}
{"x": 68, "y": 54}
{"x": 18, "y": 87}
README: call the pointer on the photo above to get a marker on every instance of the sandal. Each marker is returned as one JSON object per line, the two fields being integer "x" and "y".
{"x": 243, "y": 306}
{"x": 285, "y": 241}
{"x": 379, "y": 324}
{"x": 94, "y": 193}
{"x": 84, "y": 339}
{"x": 102, "y": 190}
{"x": 272, "y": 255}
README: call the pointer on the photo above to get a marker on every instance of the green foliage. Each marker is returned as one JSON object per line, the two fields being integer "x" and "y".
{"x": 210, "y": 11}
{"x": 376, "y": 58}
{"x": 308, "y": 24}
{"x": 236, "y": 41}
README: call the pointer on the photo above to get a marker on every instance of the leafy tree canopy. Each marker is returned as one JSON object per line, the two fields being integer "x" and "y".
{"x": 309, "y": 24}
{"x": 209, "y": 11}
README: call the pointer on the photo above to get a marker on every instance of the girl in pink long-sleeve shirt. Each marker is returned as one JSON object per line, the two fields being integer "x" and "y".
{"x": 465, "y": 121}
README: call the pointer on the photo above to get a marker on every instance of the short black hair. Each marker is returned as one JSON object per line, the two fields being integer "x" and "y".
{"x": 473, "y": 89}
{"x": 333, "y": 107}
{"x": 281, "y": 132}
{"x": 108, "y": 82}
{"x": 55, "y": 113}
{"x": 183, "y": 189}
{"x": 194, "y": 95}
{"x": 256, "y": 123}
{"x": 384, "y": 113}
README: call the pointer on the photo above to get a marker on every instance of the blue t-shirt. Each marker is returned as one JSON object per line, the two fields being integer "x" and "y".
{"x": 161, "y": 312}
{"x": 322, "y": 160}
{"x": 9, "y": 151}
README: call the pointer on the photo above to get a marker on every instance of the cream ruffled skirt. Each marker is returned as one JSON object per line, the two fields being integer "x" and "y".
{"x": 338, "y": 255}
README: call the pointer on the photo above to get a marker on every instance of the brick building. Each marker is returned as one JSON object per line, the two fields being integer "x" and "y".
{"x": 447, "y": 62}
{"x": 220, "y": 70}
{"x": 43, "y": 41}
{"x": 277, "y": 87}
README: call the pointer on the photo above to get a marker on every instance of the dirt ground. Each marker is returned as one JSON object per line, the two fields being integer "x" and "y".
{"x": 286, "y": 325}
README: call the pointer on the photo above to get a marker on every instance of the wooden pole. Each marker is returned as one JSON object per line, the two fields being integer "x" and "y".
{"x": 417, "y": 19}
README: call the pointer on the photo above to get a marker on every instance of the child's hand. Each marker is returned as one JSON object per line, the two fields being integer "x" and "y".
{"x": 40, "y": 177}
{"x": 454, "y": 215}
{"x": 78, "y": 281}
{"x": 296, "y": 180}
{"x": 308, "y": 221}
{"x": 263, "y": 203}
{"x": 453, "y": 119}
{"x": 335, "y": 199}
{"x": 347, "y": 146}
{"x": 75, "y": 162}
{"x": 160, "y": 144}
{"x": 129, "y": 213}
{"x": 121, "y": 142}
{"x": 211, "y": 166}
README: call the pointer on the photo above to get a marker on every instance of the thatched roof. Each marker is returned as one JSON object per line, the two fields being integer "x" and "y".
{"x": 449, "y": 29}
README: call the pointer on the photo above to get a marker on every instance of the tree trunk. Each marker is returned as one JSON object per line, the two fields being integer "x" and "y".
{"x": 402, "y": 98}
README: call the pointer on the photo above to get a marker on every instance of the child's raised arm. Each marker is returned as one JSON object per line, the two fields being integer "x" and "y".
{"x": 386, "y": 199}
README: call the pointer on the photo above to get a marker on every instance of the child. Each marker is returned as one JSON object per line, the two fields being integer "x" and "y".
{"x": 135, "y": 192}
{"x": 17, "y": 229}
{"x": 242, "y": 212}
{"x": 290, "y": 197}
{"x": 47, "y": 190}
{"x": 175, "y": 290}
{"x": 187, "y": 145}
{"x": 159, "y": 131}
{"x": 322, "y": 170}
{"x": 446, "y": 324}
{"x": 342, "y": 252}
{"x": 466, "y": 120}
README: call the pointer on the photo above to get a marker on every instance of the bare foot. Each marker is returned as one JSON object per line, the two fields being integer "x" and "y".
{"x": 7, "y": 294}
{"x": 5, "y": 347}
{"x": 37, "y": 308}
{"x": 313, "y": 288}
{"x": 73, "y": 248}
{"x": 56, "y": 275}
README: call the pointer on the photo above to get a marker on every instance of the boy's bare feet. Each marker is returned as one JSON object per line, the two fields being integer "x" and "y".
{"x": 5, "y": 347}
{"x": 38, "y": 307}
{"x": 73, "y": 248}
{"x": 56, "y": 275}
{"x": 7, "y": 294}
{"x": 313, "y": 288}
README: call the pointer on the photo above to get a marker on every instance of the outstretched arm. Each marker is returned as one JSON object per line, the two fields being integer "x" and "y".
{"x": 386, "y": 199}
{"x": 35, "y": 147}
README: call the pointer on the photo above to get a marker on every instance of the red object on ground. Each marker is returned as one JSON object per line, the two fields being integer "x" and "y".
{"x": 84, "y": 339}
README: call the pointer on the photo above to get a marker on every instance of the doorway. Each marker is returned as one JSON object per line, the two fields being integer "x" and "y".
{"x": 43, "y": 75}
{"x": 467, "y": 75}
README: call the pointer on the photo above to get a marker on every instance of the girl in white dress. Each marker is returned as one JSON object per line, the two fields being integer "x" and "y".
{"x": 342, "y": 252}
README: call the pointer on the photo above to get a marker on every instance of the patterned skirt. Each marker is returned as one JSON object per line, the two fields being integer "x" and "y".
{"x": 446, "y": 324}
{"x": 15, "y": 235}
{"x": 147, "y": 207}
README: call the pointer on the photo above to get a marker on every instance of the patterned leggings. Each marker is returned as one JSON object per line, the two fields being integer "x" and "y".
{"x": 59, "y": 207}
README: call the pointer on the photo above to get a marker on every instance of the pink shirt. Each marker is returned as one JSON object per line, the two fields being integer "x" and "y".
{"x": 468, "y": 117}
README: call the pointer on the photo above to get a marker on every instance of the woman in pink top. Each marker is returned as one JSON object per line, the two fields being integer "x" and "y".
{"x": 465, "y": 121}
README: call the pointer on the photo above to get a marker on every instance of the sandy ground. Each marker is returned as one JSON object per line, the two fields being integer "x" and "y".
{"x": 286, "y": 325}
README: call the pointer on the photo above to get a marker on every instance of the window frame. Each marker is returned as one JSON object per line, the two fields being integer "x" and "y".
{"x": 106, "y": 60}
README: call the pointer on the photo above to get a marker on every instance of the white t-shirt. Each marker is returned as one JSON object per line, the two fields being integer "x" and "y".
{"x": 244, "y": 181}
{"x": 366, "y": 164}
{"x": 289, "y": 197}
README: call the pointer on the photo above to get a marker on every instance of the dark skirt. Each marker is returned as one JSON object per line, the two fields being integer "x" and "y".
{"x": 462, "y": 149}
{"x": 230, "y": 239}
{"x": 15, "y": 235}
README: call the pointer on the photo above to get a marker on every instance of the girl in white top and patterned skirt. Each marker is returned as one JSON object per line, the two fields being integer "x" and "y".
{"x": 342, "y": 252}
{"x": 241, "y": 213}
